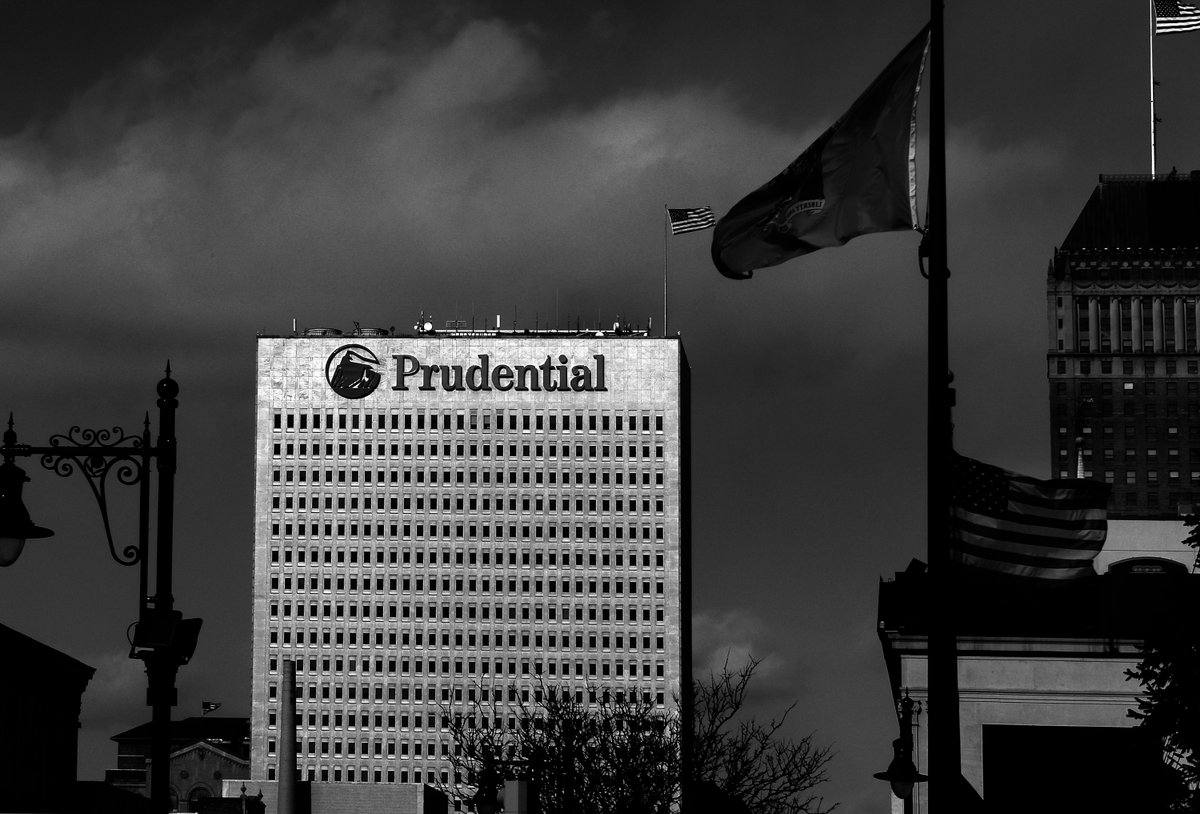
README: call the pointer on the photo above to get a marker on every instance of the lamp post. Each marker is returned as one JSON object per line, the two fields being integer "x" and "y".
{"x": 162, "y": 638}
{"x": 901, "y": 773}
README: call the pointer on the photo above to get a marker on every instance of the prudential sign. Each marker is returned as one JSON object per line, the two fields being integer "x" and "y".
{"x": 354, "y": 372}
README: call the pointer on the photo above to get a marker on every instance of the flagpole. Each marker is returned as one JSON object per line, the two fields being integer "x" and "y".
{"x": 1153, "y": 125}
{"x": 944, "y": 762}
{"x": 666, "y": 241}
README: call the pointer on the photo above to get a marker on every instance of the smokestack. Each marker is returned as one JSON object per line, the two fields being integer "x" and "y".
{"x": 287, "y": 741}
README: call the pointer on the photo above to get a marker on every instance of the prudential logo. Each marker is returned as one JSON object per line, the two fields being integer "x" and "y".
{"x": 350, "y": 371}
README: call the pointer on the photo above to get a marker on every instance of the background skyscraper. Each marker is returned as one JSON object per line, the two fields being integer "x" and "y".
{"x": 1124, "y": 355}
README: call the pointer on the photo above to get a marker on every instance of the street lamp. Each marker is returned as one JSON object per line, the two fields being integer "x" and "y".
{"x": 15, "y": 525}
{"x": 901, "y": 773}
{"x": 162, "y": 638}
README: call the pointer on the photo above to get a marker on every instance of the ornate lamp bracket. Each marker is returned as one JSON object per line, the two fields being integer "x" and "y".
{"x": 97, "y": 454}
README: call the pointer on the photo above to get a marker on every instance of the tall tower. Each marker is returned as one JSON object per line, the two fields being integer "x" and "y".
{"x": 1123, "y": 299}
{"x": 458, "y": 514}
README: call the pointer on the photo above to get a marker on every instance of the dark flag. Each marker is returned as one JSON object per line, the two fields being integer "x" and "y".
{"x": 1002, "y": 521}
{"x": 209, "y": 706}
{"x": 858, "y": 177}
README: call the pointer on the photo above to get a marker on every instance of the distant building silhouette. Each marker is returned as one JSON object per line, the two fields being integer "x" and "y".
{"x": 205, "y": 751}
{"x": 41, "y": 691}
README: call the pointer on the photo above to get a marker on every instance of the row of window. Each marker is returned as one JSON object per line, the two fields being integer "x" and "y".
{"x": 629, "y": 615}
{"x": 536, "y": 612}
{"x": 485, "y": 667}
{"x": 469, "y": 556}
{"x": 485, "y": 585}
{"x": 1133, "y": 477}
{"x": 433, "y": 476}
{"x": 1149, "y": 367}
{"x": 472, "y": 531}
{"x": 523, "y": 504}
{"x": 329, "y": 610}
{"x": 434, "y": 584}
{"x": 349, "y": 664}
{"x": 497, "y": 420}
{"x": 1130, "y": 432}
{"x": 525, "y": 557}
{"x": 363, "y": 775}
{"x": 434, "y": 502}
{"x": 1128, "y": 453}
{"x": 582, "y": 452}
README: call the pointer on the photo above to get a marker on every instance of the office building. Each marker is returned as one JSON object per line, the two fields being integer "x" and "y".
{"x": 454, "y": 515}
{"x": 1124, "y": 357}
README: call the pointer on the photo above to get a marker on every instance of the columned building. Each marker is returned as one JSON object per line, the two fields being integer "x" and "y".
{"x": 1123, "y": 297}
{"x": 459, "y": 516}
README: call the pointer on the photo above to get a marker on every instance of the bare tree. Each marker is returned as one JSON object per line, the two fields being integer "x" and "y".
{"x": 620, "y": 755}
{"x": 613, "y": 755}
{"x": 750, "y": 761}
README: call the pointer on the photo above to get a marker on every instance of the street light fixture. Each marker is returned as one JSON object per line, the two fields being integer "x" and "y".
{"x": 901, "y": 773}
{"x": 162, "y": 638}
{"x": 15, "y": 525}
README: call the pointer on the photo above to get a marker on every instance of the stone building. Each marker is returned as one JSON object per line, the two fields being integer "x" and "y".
{"x": 1043, "y": 694}
{"x": 1123, "y": 296}
{"x": 205, "y": 751}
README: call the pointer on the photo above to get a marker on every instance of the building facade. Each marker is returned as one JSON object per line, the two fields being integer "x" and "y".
{"x": 1123, "y": 299}
{"x": 1044, "y": 698}
{"x": 204, "y": 751}
{"x": 457, "y": 516}
{"x": 42, "y": 692}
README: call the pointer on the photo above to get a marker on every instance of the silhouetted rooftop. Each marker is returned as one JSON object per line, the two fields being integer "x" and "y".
{"x": 196, "y": 728}
{"x": 1117, "y": 605}
{"x": 1139, "y": 212}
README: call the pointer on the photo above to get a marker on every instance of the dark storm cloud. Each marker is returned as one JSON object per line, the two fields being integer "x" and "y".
{"x": 224, "y": 169}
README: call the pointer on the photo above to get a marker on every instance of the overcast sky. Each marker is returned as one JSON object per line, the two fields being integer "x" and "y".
{"x": 176, "y": 177}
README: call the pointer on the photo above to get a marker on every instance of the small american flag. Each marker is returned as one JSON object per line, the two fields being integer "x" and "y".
{"x": 1002, "y": 521}
{"x": 691, "y": 220}
{"x": 209, "y": 706}
{"x": 1172, "y": 16}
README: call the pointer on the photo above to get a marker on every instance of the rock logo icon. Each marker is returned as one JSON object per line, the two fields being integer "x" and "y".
{"x": 354, "y": 376}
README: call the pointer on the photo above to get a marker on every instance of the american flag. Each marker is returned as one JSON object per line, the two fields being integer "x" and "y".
{"x": 691, "y": 220}
{"x": 1002, "y": 521}
{"x": 209, "y": 706}
{"x": 1171, "y": 16}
